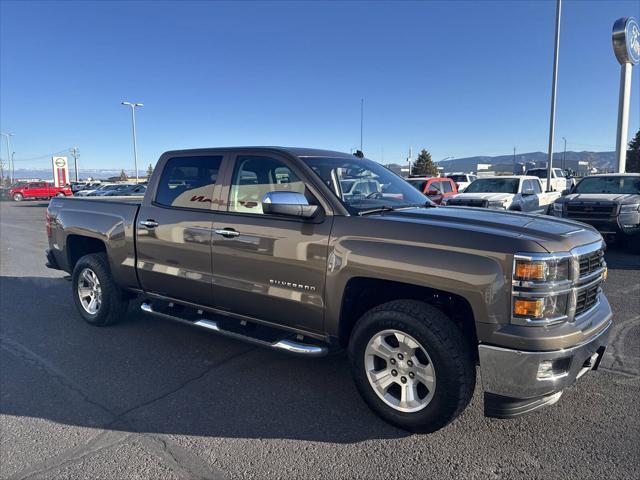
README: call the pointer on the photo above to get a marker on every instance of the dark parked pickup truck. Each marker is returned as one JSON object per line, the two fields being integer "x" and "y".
{"x": 609, "y": 202}
{"x": 267, "y": 245}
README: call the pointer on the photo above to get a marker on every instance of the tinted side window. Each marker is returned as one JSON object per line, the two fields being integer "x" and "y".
{"x": 436, "y": 185}
{"x": 447, "y": 187}
{"x": 254, "y": 177}
{"x": 187, "y": 182}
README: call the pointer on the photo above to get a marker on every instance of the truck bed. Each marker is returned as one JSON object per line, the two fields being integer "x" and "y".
{"x": 107, "y": 223}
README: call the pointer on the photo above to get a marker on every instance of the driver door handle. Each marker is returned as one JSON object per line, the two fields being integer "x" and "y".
{"x": 148, "y": 223}
{"x": 227, "y": 232}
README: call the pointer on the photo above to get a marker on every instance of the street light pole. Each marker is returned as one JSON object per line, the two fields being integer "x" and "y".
{"x": 554, "y": 85}
{"x": 9, "y": 166}
{"x": 361, "y": 121}
{"x": 564, "y": 154}
{"x": 133, "y": 124}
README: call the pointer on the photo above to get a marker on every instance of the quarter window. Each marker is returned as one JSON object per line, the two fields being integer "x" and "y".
{"x": 254, "y": 177}
{"x": 187, "y": 182}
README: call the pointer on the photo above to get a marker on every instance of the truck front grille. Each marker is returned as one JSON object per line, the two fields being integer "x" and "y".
{"x": 591, "y": 210}
{"x": 591, "y": 262}
{"x": 469, "y": 202}
{"x": 587, "y": 298}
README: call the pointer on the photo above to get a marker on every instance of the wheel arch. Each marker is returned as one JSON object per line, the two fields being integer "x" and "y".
{"x": 361, "y": 294}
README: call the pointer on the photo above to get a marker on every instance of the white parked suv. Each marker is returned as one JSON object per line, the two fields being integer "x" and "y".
{"x": 515, "y": 193}
{"x": 462, "y": 180}
{"x": 559, "y": 181}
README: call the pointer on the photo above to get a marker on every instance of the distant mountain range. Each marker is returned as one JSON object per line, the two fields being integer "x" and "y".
{"x": 500, "y": 163}
{"x": 505, "y": 163}
{"x": 47, "y": 173}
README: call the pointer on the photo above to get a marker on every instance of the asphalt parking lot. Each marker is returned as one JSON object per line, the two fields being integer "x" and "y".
{"x": 149, "y": 398}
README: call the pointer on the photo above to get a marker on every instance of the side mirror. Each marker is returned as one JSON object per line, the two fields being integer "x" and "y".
{"x": 527, "y": 192}
{"x": 290, "y": 204}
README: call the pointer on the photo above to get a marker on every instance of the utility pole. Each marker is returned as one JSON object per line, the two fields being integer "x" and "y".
{"x": 7, "y": 137}
{"x": 361, "y": 121}
{"x": 133, "y": 123}
{"x": 564, "y": 154}
{"x": 409, "y": 159}
{"x": 75, "y": 152}
{"x": 554, "y": 87}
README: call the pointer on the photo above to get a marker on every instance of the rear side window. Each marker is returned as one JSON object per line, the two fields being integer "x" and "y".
{"x": 536, "y": 186}
{"x": 436, "y": 186}
{"x": 187, "y": 182}
{"x": 446, "y": 187}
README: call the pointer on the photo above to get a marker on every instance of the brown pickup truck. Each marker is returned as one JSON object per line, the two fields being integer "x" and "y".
{"x": 311, "y": 251}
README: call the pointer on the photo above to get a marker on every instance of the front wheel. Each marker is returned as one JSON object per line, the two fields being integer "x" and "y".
{"x": 18, "y": 197}
{"x": 60, "y": 194}
{"x": 412, "y": 365}
{"x": 97, "y": 297}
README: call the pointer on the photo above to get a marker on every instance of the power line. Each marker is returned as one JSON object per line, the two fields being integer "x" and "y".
{"x": 40, "y": 157}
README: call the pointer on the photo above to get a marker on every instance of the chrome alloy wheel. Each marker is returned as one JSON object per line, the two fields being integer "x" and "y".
{"x": 400, "y": 371}
{"x": 89, "y": 291}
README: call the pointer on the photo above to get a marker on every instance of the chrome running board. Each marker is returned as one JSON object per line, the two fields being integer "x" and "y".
{"x": 283, "y": 344}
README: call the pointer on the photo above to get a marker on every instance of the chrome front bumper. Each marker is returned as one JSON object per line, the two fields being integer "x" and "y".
{"x": 517, "y": 382}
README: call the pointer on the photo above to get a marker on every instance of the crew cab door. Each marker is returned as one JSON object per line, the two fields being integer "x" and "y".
{"x": 173, "y": 229}
{"x": 434, "y": 191}
{"x": 530, "y": 197}
{"x": 266, "y": 266}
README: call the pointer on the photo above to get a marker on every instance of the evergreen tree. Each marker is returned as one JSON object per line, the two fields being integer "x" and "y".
{"x": 149, "y": 170}
{"x": 424, "y": 164}
{"x": 123, "y": 176}
{"x": 633, "y": 154}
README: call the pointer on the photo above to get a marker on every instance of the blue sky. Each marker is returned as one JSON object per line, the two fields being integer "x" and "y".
{"x": 459, "y": 78}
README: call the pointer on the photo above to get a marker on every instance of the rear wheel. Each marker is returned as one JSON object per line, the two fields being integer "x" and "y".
{"x": 60, "y": 194}
{"x": 411, "y": 365}
{"x": 18, "y": 197}
{"x": 97, "y": 297}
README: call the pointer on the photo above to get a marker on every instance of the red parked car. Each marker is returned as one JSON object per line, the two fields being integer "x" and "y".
{"x": 38, "y": 190}
{"x": 436, "y": 188}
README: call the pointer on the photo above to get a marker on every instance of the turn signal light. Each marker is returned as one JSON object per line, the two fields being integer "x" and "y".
{"x": 530, "y": 270}
{"x": 532, "y": 308}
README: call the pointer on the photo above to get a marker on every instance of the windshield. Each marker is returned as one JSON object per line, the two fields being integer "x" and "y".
{"x": 538, "y": 172}
{"x": 458, "y": 178}
{"x": 493, "y": 185}
{"x": 613, "y": 184}
{"x": 361, "y": 184}
{"x": 559, "y": 172}
{"x": 419, "y": 184}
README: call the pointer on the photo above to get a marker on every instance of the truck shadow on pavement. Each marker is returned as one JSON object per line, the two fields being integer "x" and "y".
{"x": 156, "y": 376}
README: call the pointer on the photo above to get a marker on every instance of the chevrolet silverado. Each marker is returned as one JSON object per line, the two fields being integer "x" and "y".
{"x": 262, "y": 244}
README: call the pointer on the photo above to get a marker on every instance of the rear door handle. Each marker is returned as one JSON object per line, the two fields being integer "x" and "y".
{"x": 227, "y": 232}
{"x": 149, "y": 223}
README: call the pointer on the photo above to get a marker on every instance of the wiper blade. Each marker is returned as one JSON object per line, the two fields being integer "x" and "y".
{"x": 383, "y": 208}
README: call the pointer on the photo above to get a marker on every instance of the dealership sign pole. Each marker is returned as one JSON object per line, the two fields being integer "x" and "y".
{"x": 626, "y": 46}
{"x": 60, "y": 171}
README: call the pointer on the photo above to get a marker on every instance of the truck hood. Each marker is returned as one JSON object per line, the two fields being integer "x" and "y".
{"x": 551, "y": 233}
{"x": 491, "y": 196}
{"x": 621, "y": 198}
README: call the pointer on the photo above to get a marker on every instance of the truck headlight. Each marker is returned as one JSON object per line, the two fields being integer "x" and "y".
{"x": 547, "y": 308}
{"x": 632, "y": 208}
{"x": 497, "y": 204}
{"x": 547, "y": 270}
{"x": 557, "y": 207}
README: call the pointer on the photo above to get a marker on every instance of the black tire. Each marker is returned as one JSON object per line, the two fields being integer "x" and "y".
{"x": 453, "y": 363}
{"x": 114, "y": 301}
